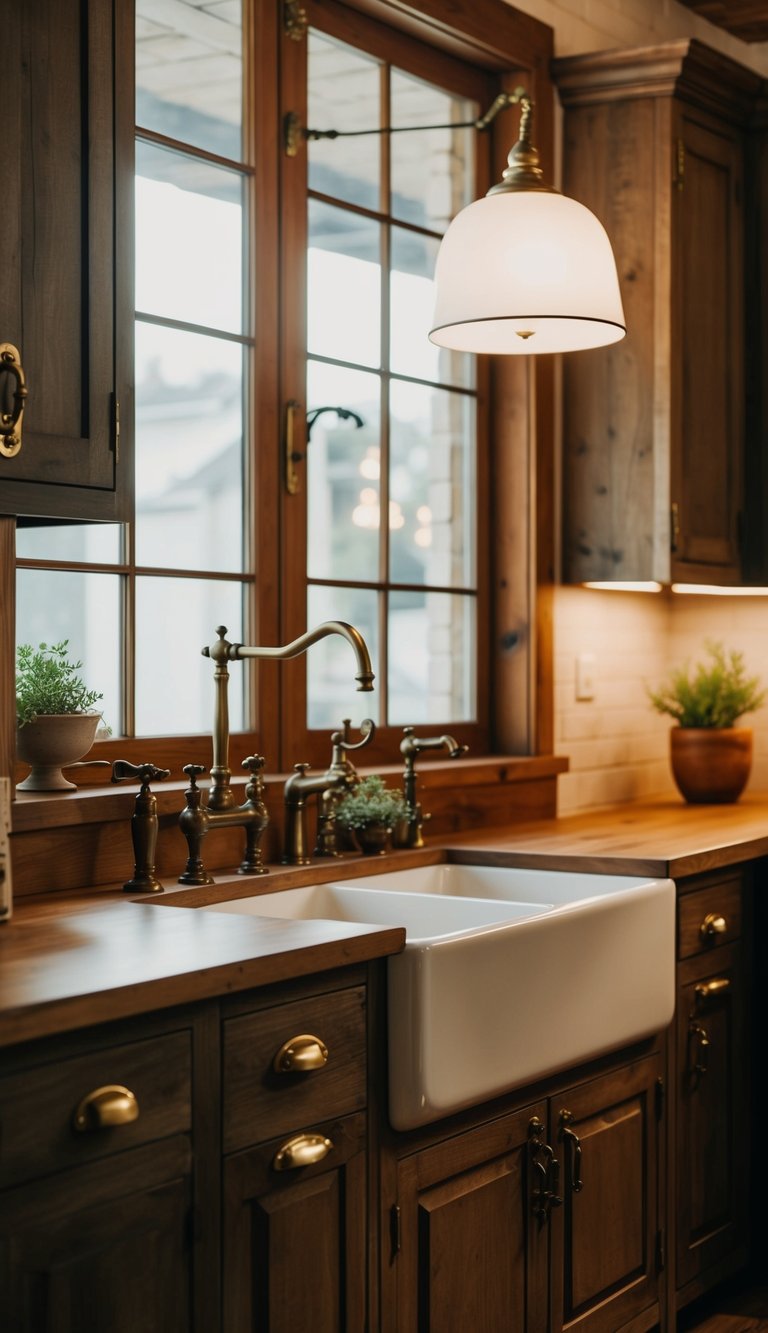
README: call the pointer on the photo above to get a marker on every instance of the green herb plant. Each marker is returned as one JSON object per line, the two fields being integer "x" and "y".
{"x": 370, "y": 802}
{"x": 46, "y": 682}
{"x": 715, "y": 694}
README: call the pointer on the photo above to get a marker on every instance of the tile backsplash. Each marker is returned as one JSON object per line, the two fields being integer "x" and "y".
{"x": 617, "y": 744}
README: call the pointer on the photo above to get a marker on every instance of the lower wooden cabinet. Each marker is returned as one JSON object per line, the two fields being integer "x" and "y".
{"x": 295, "y": 1239}
{"x": 541, "y": 1220}
{"x": 711, "y": 1173}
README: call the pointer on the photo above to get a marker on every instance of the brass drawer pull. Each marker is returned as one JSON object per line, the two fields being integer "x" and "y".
{"x": 712, "y": 926}
{"x": 300, "y": 1055}
{"x": 105, "y": 1108}
{"x": 709, "y": 990}
{"x": 302, "y": 1150}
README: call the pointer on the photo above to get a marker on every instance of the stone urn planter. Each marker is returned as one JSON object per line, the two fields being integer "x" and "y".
{"x": 51, "y": 741}
{"x": 711, "y": 765}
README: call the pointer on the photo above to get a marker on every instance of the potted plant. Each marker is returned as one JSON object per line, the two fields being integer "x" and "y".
{"x": 369, "y": 812}
{"x": 711, "y": 757}
{"x": 55, "y": 718}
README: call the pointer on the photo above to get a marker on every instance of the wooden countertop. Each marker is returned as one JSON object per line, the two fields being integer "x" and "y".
{"x": 666, "y": 838}
{"x": 68, "y": 963}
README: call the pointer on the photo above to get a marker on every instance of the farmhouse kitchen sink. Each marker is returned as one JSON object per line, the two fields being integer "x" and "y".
{"x": 507, "y": 975}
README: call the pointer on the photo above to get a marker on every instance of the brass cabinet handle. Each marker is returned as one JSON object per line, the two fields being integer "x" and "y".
{"x": 106, "y": 1107}
{"x": 300, "y": 1055}
{"x": 712, "y": 926}
{"x": 708, "y": 990}
{"x": 301, "y": 1150}
{"x": 545, "y": 1175}
{"x": 569, "y": 1137}
{"x": 700, "y": 1038}
{"x": 11, "y": 422}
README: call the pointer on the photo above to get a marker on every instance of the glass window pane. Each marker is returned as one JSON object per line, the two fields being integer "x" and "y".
{"x": 97, "y": 542}
{"x": 189, "y": 72}
{"x": 433, "y": 171}
{"x": 431, "y": 658}
{"x": 189, "y": 239}
{"x": 343, "y": 286}
{"x": 412, "y": 299}
{"x": 332, "y": 692}
{"x": 432, "y": 486}
{"x": 53, "y": 605}
{"x": 189, "y": 450}
{"x": 175, "y": 618}
{"x": 344, "y": 94}
{"x": 343, "y": 464}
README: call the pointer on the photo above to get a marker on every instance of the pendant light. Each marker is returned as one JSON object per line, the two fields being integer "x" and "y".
{"x": 526, "y": 270}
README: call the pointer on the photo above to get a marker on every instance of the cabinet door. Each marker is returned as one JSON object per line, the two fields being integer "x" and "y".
{"x": 605, "y": 1238}
{"x": 469, "y": 1252}
{"x": 713, "y": 1113}
{"x": 104, "y": 1247}
{"x": 65, "y": 249}
{"x": 707, "y": 319}
{"x": 295, "y": 1239}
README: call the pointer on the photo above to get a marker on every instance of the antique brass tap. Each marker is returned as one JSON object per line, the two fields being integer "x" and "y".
{"x": 338, "y": 777}
{"x": 412, "y": 834}
{"x": 197, "y": 819}
{"x": 143, "y": 824}
{"x": 221, "y": 652}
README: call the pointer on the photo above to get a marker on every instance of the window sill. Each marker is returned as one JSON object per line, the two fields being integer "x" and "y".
{"x": 33, "y": 811}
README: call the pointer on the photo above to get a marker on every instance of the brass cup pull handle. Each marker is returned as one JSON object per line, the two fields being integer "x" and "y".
{"x": 302, "y": 1150}
{"x": 712, "y": 926}
{"x": 709, "y": 990}
{"x": 105, "y": 1108}
{"x": 11, "y": 422}
{"x": 300, "y": 1055}
{"x": 572, "y": 1140}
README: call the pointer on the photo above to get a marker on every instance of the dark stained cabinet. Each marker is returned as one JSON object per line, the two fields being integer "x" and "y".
{"x": 654, "y": 433}
{"x": 66, "y": 105}
{"x": 712, "y": 1132}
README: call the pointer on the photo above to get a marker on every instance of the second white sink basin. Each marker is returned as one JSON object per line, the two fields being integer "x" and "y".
{"x": 507, "y": 975}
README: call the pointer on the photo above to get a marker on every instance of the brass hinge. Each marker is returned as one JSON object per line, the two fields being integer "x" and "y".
{"x": 680, "y": 164}
{"x": 395, "y": 1235}
{"x": 661, "y": 1258}
{"x": 292, "y": 135}
{"x": 294, "y": 20}
{"x": 674, "y": 526}
{"x": 659, "y": 1098}
{"x": 116, "y": 426}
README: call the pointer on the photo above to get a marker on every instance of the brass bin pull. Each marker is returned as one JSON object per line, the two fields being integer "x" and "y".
{"x": 11, "y": 422}
{"x": 105, "y": 1108}
{"x": 300, "y": 1055}
{"x": 712, "y": 926}
{"x": 301, "y": 1150}
{"x": 569, "y": 1137}
{"x": 708, "y": 990}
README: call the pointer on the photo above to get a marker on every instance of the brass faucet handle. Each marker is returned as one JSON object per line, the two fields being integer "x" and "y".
{"x": 340, "y": 739}
{"x": 193, "y": 772}
{"x": 122, "y": 771}
{"x": 254, "y": 763}
{"x": 301, "y": 768}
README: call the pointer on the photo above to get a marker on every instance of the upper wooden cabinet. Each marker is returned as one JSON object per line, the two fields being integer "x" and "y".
{"x": 654, "y": 426}
{"x": 65, "y": 104}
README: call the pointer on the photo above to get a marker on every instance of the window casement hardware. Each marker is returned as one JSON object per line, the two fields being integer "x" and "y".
{"x": 291, "y": 454}
{"x": 11, "y": 420}
{"x": 294, "y": 20}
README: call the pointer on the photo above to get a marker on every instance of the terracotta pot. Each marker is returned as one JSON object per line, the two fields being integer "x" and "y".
{"x": 50, "y": 742}
{"x": 711, "y": 765}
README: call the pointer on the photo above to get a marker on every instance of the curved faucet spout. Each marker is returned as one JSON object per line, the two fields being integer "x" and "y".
{"x": 364, "y": 677}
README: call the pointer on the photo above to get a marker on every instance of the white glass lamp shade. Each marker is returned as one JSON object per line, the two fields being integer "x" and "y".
{"x": 525, "y": 272}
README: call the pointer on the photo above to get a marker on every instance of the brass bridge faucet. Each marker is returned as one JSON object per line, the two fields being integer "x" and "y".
{"x": 410, "y": 747}
{"x": 339, "y": 777}
{"x": 220, "y": 797}
{"x": 197, "y": 819}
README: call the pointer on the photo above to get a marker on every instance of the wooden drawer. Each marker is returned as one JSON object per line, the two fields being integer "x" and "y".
{"x": 259, "y": 1102}
{"x": 37, "y": 1106}
{"x": 720, "y": 902}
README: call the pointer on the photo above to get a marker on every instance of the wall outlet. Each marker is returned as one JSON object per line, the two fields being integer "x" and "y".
{"x": 585, "y": 676}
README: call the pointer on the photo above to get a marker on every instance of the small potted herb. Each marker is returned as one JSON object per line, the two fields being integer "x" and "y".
{"x": 711, "y": 757}
{"x": 55, "y": 717}
{"x": 369, "y": 812}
